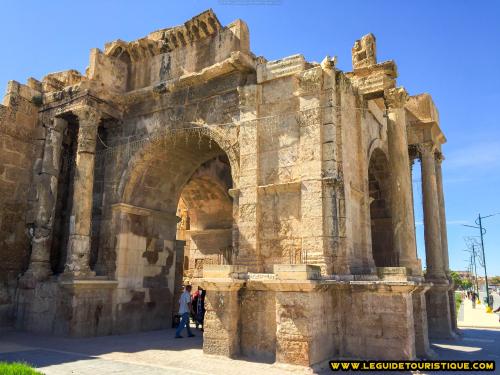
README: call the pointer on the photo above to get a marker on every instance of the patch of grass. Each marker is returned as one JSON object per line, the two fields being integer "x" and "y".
{"x": 17, "y": 368}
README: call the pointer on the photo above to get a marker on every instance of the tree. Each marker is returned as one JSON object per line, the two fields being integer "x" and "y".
{"x": 495, "y": 280}
{"x": 460, "y": 283}
{"x": 466, "y": 284}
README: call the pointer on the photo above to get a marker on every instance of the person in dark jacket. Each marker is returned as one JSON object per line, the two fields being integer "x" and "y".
{"x": 199, "y": 307}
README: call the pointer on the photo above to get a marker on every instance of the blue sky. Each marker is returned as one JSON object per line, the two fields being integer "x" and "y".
{"x": 450, "y": 49}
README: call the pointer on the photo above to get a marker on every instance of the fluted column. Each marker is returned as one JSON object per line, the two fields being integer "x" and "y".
{"x": 401, "y": 189}
{"x": 432, "y": 228}
{"x": 77, "y": 261}
{"x": 442, "y": 214}
{"x": 444, "y": 240}
{"x": 46, "y": 175}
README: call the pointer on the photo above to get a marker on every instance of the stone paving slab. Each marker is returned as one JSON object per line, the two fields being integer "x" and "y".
{"x": 158, "y": 353}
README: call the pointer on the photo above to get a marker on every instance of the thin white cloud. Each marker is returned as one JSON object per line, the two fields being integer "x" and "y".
{"x": 448, "y": 222}
{"x": 483, "y": 155}
{"x": 456, "y": 222}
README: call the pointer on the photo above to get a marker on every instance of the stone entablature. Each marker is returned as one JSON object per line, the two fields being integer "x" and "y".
{"x": 184, "y": 145}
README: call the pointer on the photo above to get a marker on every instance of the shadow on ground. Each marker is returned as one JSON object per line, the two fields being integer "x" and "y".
{"x": 157, "y": 352}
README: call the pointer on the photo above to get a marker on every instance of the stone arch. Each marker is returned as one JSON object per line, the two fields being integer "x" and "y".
{"x": 376, "y": 144}
{"x": 379, "y": 183}
{"x": 225, "y": 139}
{"x": 206, "y": 217}
{"x": 149, "y": 255}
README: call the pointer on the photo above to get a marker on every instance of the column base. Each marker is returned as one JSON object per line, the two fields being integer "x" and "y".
{"x": 77, "y": 265}
{"x": 422, "y": 345}
{"x": 37, "y": 271}
{"x": 222, "y": 318}
{"x": 438, "y": 311}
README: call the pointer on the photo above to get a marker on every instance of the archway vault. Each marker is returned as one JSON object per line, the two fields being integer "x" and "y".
{"x": 177, "y": 155}
{"x": 149, "y": 256}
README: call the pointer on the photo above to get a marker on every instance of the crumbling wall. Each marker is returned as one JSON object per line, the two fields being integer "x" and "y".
{"x": 18, "y": 150}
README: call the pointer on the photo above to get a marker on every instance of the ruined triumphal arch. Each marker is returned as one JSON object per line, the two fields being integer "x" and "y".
{"x": 283, "y": 187}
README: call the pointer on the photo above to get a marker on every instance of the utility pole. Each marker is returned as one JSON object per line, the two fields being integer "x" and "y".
{"x": 482, "y": 232}
{"x": 475, "y": 269}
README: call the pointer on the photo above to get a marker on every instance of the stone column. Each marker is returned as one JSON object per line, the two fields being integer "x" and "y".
{"x": 412, "y": 151}
{"x": 46, "y": 179}
{"x": 444, "y": 240}
{"x": 401, "y": 189}
{"x": 77, "y": 262}
{"x": 432, "y": 229}
{"x": 442, "y": 214}
{"x": 437, "y": 298}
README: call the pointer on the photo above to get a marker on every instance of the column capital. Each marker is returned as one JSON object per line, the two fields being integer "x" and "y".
{"x": 413, "y": 153}
{"x": 426, "y": 148}
{"x": 439, "y": 157}
{"x": 395, "y": 98}
{"x": 87, "y": 115}
{"x": 88, "y": 119}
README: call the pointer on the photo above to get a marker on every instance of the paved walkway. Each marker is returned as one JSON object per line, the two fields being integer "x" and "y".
{"x": 469, "y": 317}
{"x": 157, "y": 352}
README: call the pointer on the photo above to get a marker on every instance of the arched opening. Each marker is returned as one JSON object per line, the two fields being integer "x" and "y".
{"x": 379, "y": 179}
{"x": 205, "y": 209}
{"x": 175, "y": 216}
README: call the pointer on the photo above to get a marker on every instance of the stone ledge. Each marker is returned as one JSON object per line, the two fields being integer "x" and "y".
{"x": 284, "y": 187}
{"x": 141, "y": 211}
{"x": 89, "y": 284}
{"x": 213, "y": 271}
{"x": 393, "y": 273}
{"x": 280, "y": 68}
{"x": 297, "y": 272}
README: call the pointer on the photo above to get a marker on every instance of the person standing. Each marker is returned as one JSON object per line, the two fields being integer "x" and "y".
{"x": 185, "y": 309}
{"x": 473, "y": 299}
{"x": 199, "y": 307}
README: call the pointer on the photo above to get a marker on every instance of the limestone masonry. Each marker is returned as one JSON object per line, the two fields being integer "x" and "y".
{"x": 283, "y": 187}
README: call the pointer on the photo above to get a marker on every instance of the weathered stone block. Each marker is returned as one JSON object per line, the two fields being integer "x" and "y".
{"x": 297, "y": 271}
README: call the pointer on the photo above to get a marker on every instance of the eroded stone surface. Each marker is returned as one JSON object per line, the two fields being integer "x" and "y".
{"x": 281, "y": 186}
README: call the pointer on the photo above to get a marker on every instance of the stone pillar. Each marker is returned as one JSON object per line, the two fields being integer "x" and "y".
{"x": 77, "y": 262}
{"x": 311, "y": 149}
{"x": 248, "y": 206}
{"x": 422, "y": 346}
{"x": 444, "y": 240}
{"x": 437, "y": 298}
{"x": 432, "y": 228}
{"x": 46, "y": 180}
{"x": 442, "y": 214}
{"x": 222, "y": 318}
{"x": 401, "y": 189}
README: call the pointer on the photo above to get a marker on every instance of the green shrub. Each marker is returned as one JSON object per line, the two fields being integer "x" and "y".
{"x": 458, "y": 300}
{"x": 17, "y": 368}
